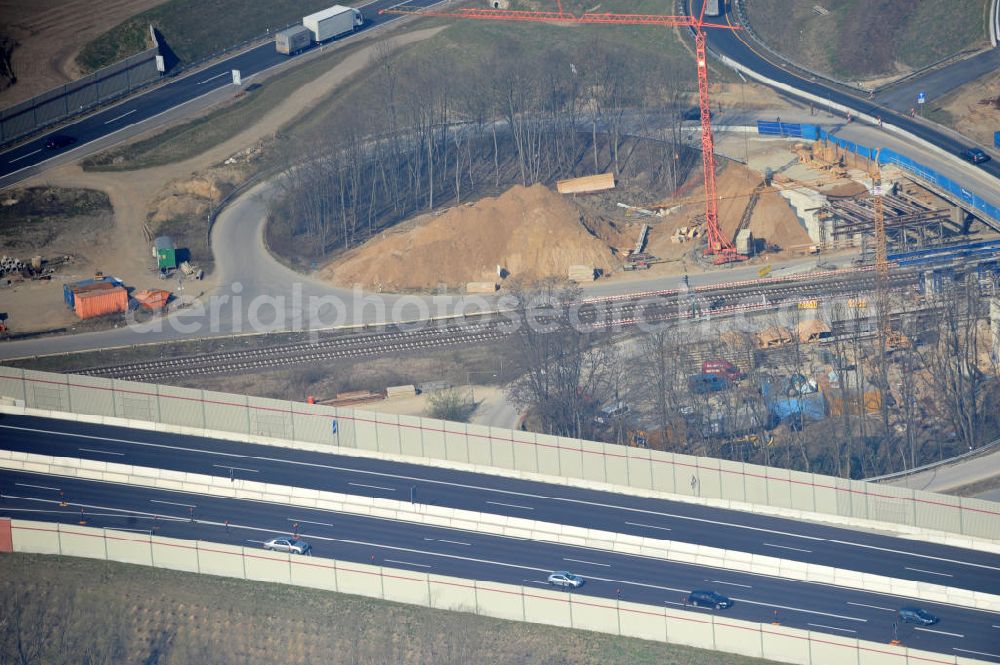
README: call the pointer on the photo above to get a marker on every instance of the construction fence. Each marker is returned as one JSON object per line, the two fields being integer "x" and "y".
{"x": 885, "y": 156}
{"x": 492, "y": 599}
{"x": 103, "y": 86}
{"x": 195, "y": 411}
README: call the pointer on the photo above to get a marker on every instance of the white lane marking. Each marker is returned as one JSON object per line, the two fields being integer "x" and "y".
{"x": 929, "y": 572}
{"x": 922, "y": 556}
{"x": 235, "y": 468}
{"x": 174, "y": 503}
{"x": 454, "y": 542}
{"x": 874, "y": 607}
{"x": 214, "y": 77}
{"x": 674, "y": 602}
{"x": 820, "y": 625}
{"x": 649, "y": 526}
{"x": 939, "y": 632}
{"x": 38, "y": 487}
{"x": 995, "y": 626}
{"x": 371, "y": 30}
{"x": 131, "y": 442}
{"x": 786, "y": 547}
{"x": 292, "y": 519}
{"x": 799, "y": 609}
{"x": 745, "y": 586}
{"x": 510, "y": 505}
{"x": 597, "y": 504}
{"x": 108, "y": 122}
{"x": 978, "y": 653}
{"x": 589, "y": 563}
{"x": 102, "y": 452}
{"x": 90, "y": 513}
{"x": 25, "y": 156}
{"x": 373, "y": 487}
{"x": 407, "y": 563}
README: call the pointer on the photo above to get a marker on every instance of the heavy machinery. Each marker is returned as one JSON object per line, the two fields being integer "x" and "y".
{"x": 719, "y": 246}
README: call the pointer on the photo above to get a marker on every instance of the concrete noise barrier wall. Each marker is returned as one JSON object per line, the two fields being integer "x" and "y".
{"x": 493, "y": 599}
{"x": 78, "y": 96}
{"x": 507, "y": 452}
{"x": 512, "y": 527}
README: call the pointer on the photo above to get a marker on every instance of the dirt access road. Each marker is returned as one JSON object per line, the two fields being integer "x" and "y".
{"x": 127, "y": 254}
{"x": 50, "y": 33}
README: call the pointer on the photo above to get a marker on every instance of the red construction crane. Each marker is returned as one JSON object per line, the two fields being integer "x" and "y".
{"x": 718, "y": 244}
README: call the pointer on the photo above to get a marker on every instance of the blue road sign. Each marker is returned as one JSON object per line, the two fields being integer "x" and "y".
{"x": 334, "y": 426}
{"x": 921, "y": 97}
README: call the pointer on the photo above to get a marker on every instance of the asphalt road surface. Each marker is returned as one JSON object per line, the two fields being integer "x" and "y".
{"x": 471, "y": 555}
{"x": 739, "y": 47}
{"x": 667, "y": 520}
{"x": 29, "y": 158}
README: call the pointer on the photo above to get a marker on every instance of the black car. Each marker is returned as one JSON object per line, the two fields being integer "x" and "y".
{"x": 917, "y": 615}
{"x": 975, "y": 155}
{"x": 57, "y": 141}
{"x": 701, "y": 598}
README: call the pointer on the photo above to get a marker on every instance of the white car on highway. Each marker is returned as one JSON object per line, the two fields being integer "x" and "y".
{"x": 290, "y": 545}
{"x": 565, "y": 579}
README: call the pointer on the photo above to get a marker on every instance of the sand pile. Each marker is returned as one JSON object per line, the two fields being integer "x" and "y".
{"x": 773, "y": 218}
{"x": 532, "y": 232}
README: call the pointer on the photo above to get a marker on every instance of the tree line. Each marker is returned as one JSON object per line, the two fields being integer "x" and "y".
{"x": 435, "y": 131}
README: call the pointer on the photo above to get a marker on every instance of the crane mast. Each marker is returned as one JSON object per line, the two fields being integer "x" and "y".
{"x": 719, "y": 245}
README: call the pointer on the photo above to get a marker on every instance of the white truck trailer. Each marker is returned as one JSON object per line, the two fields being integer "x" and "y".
{"x": 333, "y": 22}
{"x": 293, "y": 40}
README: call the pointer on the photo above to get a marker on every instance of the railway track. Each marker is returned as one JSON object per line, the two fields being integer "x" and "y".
{"x": 749, "y": 297}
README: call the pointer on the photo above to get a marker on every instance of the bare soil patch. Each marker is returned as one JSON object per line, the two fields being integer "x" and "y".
{"x": 49, "y": 33}
{"x": 973, "y": 109}
{"x": 531, "y": 232}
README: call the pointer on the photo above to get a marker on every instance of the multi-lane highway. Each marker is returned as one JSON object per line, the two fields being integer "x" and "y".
{"x": 666, "y": 520}
{"x": 29, "y": 158}
{"x": 816, "y": 607}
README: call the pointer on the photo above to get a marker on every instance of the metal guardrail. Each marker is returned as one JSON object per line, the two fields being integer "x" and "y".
{"x": 976, "y": 452}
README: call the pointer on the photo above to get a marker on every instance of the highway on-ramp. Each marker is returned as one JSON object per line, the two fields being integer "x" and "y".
{"x": 739, "y": 47}
{"x": 807, "y": 542}
{"x": 413, "y": 547}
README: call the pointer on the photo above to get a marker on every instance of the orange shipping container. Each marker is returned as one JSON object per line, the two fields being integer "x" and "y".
{"x": 98, "y": 303}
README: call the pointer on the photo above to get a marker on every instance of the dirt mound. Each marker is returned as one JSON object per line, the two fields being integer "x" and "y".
{"x": 532, "y": 232}
{"x": 773, "y": 218}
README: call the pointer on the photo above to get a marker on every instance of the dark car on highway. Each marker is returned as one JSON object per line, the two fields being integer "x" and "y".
{"x": 917, "y": 615}
{"x": 702, "y": 598}
{"x": 975, "y": 155}
{"x": 57, "y": 141}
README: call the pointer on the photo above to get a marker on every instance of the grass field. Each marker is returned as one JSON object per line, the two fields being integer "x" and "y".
{"x": 867, "y": 39}
{"x": 462, "y": 45}
{"x": 68, "y": 611}
{"x": 195, "y": 29}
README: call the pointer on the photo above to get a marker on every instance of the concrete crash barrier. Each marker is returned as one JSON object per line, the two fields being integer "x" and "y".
{"x": 605, "y": 467}
{"x": 501, "y": 525}
{"x": 492, "y": 599}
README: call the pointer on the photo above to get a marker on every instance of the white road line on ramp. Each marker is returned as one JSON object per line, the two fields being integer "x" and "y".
{"x": 588, "y": 563}
{"x": 745, "y": 586}
{"x": 510, "y": 505}
{"x": 174, "y": 503}
{"x": 820, "y": 625}
{"x": 37, "y": 487}
{"x": 978, "y": 653}
{"x": 921, "y": 556}
{"x": 407, "y": 563}
{"x": 929, "y": 572}
{"x": 235, "y": 468}
{"x": 649, "y": 526}
{"x": 214, "y": 77}
{"x": 786, "y": 547}
{"x": 874, "y": 607}
{"x": 373, "y": 487}
{"x": 292, "y": 519}
{"x": 102, "y": 452}
{"x": 108, "y": 122}
{"x": 939, "y": 632}
{"x": 25, "y": 156}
